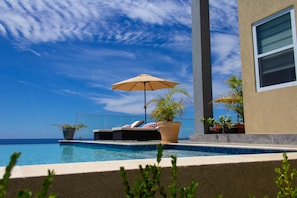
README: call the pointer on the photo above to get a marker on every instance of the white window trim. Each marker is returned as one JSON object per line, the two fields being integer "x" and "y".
{"x": 256, "y": 56}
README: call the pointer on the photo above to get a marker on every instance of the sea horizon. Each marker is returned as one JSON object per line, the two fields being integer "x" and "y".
{"x": 29, "y": 140}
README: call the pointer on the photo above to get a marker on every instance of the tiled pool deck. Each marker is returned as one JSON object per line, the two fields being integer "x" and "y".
{"x": 88, "y": 167}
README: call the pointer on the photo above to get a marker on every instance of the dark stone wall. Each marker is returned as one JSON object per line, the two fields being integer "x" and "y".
{"x": 277, "y": 139}
{"x": 230, "y": 180}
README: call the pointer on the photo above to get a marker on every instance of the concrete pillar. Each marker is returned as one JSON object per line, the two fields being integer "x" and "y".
{"x": 201, "y": 60}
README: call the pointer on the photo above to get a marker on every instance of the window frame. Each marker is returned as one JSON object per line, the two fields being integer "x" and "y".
{"x": 281, "y": 49}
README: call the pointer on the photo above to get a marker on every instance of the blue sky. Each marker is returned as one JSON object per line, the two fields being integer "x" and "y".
{"x": 60, "y": 58}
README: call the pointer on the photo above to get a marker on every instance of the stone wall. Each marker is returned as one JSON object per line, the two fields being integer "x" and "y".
{"x": 286, "y": 139}
{"x": 230, "y": 180}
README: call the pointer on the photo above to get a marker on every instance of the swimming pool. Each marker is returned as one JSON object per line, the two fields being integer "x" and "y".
{"x": 87, "y": 151}
{"x": 55, "y": 153}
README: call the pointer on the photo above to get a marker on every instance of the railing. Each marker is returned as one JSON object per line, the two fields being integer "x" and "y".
{"x": 101, "y": 121}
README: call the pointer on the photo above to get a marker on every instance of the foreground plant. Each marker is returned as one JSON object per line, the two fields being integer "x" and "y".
{"x": 25, "y": 193}
{"x": 7, "y": 174}
{"x": 285, "y": 180}
{"x": 148, "y": 185}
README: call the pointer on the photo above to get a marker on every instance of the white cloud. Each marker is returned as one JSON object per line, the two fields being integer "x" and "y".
{"x": 46, "y": 21}
{"x": 158, "y": 12}
{"x": 29, "y": 84}
{"x": 165, "y": 23}
{"x": 225, "y": 47}
{"x": 68, "y": 92}
{"x": 224, "y": 38}
{"x": 226, "y": 52}
{"x": 39, "y": 21}
{"x": 220, "y": 87}
{"x": 3, "y": 30}
{"x": 223, "y": 14}
{"x": 130, "y": 103}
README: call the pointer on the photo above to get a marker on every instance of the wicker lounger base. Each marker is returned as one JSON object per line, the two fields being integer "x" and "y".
{"x": 103, "y": 134}
{"x": 136, "y": 134}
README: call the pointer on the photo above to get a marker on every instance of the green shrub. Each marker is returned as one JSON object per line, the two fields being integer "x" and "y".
{"x": 25, "y": 193}
{"x": 285, "y": 180}
{"x": 148, "y": 185}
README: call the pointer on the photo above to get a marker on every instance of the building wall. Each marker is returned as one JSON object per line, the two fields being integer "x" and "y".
{"x": 266, "y": 112}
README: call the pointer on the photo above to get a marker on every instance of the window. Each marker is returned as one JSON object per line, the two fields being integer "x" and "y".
{"x": 275, "y": 51}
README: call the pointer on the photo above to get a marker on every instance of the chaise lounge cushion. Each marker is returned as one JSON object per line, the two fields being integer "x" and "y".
{"x": 107, "y": 134}
{"x": 151, "y": 125}
{"x": 137, "y": 123}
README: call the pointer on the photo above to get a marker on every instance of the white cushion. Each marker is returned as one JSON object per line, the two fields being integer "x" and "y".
{"x": 136, "y": 123}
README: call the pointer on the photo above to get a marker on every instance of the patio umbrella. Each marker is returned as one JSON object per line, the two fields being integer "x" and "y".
{"x": 143, "y": 82}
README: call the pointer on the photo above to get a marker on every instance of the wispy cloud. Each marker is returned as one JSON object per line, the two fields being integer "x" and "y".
{"x": 156, "y": 24}
{"x": 28, "y": 83}
{"x": 223, "y": 16}
{"x": 68, "y": 92}
{"x": 225, "y": 47}
{"x": 156, "y": 12}
{"x": 32, "y": 22}
{"x": 131, "y": 103}
{"x": 128, "y": 102}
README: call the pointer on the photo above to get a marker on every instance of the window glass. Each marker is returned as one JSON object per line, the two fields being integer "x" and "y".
{"x": 275, "y": 49}
{"x": 274, "y": 34}
{"x": 277, "y": 68}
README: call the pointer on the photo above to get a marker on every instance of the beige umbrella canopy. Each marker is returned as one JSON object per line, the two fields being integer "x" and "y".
{"x": 143, "y": 82}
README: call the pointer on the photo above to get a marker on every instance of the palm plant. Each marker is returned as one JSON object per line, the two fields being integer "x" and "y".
{"x": 233, "y": 101}
{"x": 167, "y": 107}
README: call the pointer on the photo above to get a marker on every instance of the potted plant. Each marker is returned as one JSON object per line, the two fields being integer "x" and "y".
{"x": 213, "y": 125}
{"x": 69, "y": 130}
{"x": 223, "y": 125}
{"x": 234, "y": 101}
{"x": 166, "y": 109}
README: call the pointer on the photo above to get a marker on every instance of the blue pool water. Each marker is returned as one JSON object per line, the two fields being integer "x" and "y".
{"x": 54, "y": 153}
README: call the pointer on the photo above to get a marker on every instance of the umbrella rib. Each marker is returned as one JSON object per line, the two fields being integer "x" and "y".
{"x": 149, "y": 84}
{"x": 133, "y": 86}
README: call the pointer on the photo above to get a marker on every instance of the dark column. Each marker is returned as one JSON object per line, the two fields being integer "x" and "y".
{"x": 201, "y": 59}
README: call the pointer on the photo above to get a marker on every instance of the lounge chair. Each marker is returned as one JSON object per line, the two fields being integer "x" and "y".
{"x": 107, "y": 134}
{"x": 102, "y": 134}
{"x": 140, "y": 134}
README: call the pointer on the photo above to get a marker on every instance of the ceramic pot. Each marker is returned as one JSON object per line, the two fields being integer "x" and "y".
{"x": 68, "y": 133}
{"x": 169, "y": 131}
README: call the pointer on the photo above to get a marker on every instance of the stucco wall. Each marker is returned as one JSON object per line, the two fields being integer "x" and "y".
{"x": 266, "y": 112}
{"x": 230, "y": 180}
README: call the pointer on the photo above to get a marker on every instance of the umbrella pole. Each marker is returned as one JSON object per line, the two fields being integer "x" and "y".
{"x": 144, "y": 103}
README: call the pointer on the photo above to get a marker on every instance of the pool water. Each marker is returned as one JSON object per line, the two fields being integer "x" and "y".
{"x": 70, "y": 152}
{"x": 55, "y": 153}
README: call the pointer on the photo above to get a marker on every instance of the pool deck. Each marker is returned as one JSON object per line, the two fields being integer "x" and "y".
{"x": 105, "y": 166}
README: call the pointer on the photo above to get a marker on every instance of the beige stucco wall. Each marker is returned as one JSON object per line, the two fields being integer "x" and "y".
{"x": 273, "y": 111}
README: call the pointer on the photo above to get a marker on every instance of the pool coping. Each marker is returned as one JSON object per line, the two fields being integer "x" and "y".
{"x": 105, "y": 166}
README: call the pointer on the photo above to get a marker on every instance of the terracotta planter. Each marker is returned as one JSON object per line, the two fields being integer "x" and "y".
{"x": 240, "y": 128}
{"x": 230, "y": 130}
{"x": 169, "y": 131}
{"x": 68, "y": 133}
{"x": 214, "y": 129}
